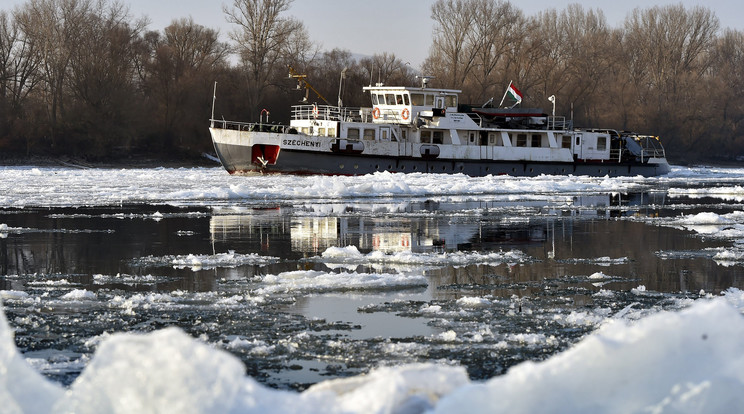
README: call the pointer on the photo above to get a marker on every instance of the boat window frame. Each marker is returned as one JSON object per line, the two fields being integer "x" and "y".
{"x": 603, "y": 140}
{"x": 566, "y": 142}
{"x": 425, "y": 136}
{"x": 521, "y": 140}
{"x": 536, "y": 140}
{"x": 350, "y": 135}
{"x": 418, "y": 99}
{"x": 369, "y": 134}
{"x": 437, "y": 136}
{"x": 450, "y": 101}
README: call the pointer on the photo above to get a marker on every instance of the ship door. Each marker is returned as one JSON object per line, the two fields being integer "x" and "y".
{"x": 385, "y": 133}
{"x": 578, "y": 146}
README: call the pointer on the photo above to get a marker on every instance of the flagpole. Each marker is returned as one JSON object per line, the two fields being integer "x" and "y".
{"x": 505, "y": 92}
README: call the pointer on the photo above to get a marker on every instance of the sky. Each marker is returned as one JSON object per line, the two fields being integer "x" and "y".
{"x": 394, "y": 26}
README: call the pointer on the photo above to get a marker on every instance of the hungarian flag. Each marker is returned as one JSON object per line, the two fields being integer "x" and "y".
{"x": 514, "y": 93}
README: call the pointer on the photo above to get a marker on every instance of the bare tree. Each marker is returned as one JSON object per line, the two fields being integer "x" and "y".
{"x": 262, "y": 36}
{"x": 667, "y": 54}
{"x": 55, "y": 27}
{"x": 453, "y": 54}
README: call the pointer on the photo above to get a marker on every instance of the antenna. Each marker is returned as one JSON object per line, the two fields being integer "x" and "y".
{"x": 424, "y": 80}
{"x": 214, "y": 98}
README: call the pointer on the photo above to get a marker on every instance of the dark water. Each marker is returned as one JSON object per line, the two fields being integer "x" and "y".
{"x": 295, "y": 337}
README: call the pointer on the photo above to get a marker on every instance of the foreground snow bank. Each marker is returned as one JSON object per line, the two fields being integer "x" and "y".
{"x": 689, "y": 361}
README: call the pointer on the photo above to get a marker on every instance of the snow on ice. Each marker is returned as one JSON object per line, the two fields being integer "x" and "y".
{"x": 691, "y": 361}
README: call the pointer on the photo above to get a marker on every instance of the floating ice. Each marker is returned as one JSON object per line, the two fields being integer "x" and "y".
{"x": 318, "y": 281}
{"x": 205, "y": 262}
{"x": 79, "y": 294}
{"x": 350, "y": 254}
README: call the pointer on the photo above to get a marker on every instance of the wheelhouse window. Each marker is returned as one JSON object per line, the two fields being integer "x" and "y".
{"x": 450, "y": 101}
{"x": 428, "y": 99}
{"x": 390, "y": 99}
{"x": 374, "y": 99}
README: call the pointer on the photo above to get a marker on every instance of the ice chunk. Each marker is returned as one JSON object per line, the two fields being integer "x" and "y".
{"x": 690, "y": 361}
{"x": 163, "y": 371}
{"x": 22, "y": 389}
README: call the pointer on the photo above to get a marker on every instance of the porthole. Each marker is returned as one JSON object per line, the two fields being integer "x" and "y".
{"x": 402, "y": 167}
{"x": 356, "y": 166}
{"x": 341, "y": 166}
{"x": 377, "y": 167}
{"x": 414, "y": 168}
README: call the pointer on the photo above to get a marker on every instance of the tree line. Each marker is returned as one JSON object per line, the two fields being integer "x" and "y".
{"x": 84, "y": 78}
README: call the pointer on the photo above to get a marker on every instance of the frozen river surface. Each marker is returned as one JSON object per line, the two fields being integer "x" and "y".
{"x": 441, "y": 282}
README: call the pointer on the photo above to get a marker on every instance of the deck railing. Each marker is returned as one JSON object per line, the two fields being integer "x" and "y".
{"x": 330, "y": 113}
{"x": 249, "y": 126}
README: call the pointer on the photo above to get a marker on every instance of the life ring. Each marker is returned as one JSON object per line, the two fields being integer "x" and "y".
{"x": 404, "y": 114}
{"x": 376, "y": 113}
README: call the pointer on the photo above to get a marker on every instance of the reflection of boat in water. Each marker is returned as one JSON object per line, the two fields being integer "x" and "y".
{"x": 293, "y": 229}
{"x": 421, "y": 129}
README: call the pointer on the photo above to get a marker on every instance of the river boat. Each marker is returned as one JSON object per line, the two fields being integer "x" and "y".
{"x": 411, "y": 129}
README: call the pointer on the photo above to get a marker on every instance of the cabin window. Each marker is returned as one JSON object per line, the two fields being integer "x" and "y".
{"x": 428, "y": 100}
{"x": 521, "y": 140}
{"x": 437, "y": 137}
{"x": 417, "y": 99}
{"x": 601, "y": 143}
{"x": 399, "y": 99}
{"x": 331, "y": 132}
{"x": 405, "y": 99}
{"x": 321, "y": 131}
{"x": 535, "y": 141}
{"x": 305, "y": 130}
{"x": 390, "y": 99}
{"x": 384, "y": 134}
{"x": 578, "y": 140}
{"x": 405, "y": 135}
{"x": 472, "y": 137}
{"x": 450, "y": 101}
{"x": 369, "y": 134}
{"x": 426, "y": 136}
{"x": 566, "y": 141}
{"x": 353, "y": 133}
